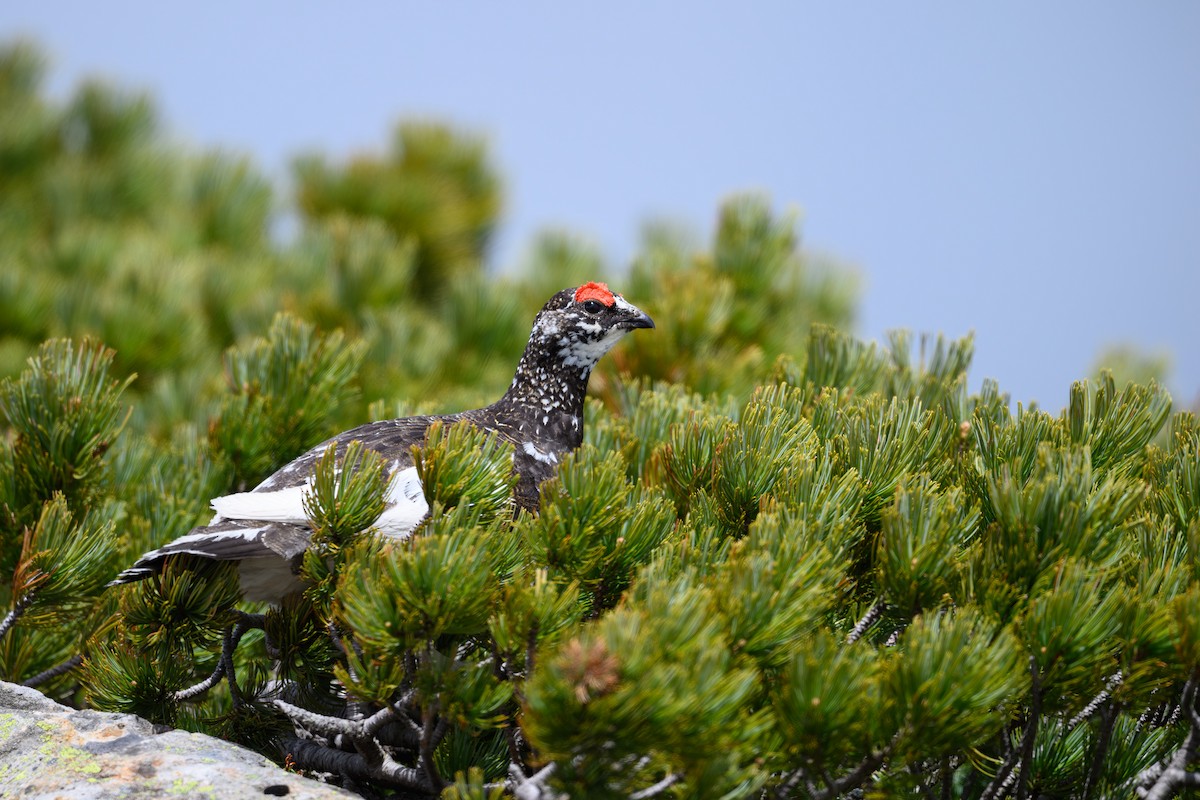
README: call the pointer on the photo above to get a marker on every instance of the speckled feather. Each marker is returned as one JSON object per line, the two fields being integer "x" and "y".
{"x": 541, "y": 414}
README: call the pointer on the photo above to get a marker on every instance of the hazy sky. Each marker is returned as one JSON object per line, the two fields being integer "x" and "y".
{"x": 1029, "y": 171}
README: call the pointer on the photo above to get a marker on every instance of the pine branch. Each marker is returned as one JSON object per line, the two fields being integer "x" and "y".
{"x": 948, "y": 766}
{"x": 403, "y": 719}
{"x": 355, "y": 708}
{"x": 325, "y": 725}
{"x": 310, "y": 755}
{"x": 59, "y": 669}
{"x": 536, "y": 786}
{"x": 512, "y": 738}
{"x": 1172, "y": 779}
{"x": 1027, "y": 739}
{"x": 203, "y": 686}
{"x": 853, "y": 778}
{"x": 1098, "y": 701}
{"x": 1108, "y": 720}
{"x": 797, "y": 777}
{"x": 1173, "y": 776}
{"x": 1161, "y": 781}
{"x": 1004, "y": 779}
{"x": 531, "y": 648}
{"x": 400, "y": 732}
{"x": 225, "y": 668}
{"x": 232, "y": 637}
{"x": 1103, "y": 704}
{"x": 658, "y": 788}
{"x": 429, "y": 740}
{"x": 371, "y": 761}
{"x": 870, "y": 618}
{"x": 1002, "y": 782}
{"x": 18, "y": 609}
{"x": 1158, "y": 716}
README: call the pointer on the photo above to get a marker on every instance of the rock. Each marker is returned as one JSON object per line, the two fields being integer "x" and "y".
{"x": 50, "y": 751}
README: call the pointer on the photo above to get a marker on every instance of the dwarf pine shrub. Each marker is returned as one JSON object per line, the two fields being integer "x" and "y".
{"x": 785, "y": 563}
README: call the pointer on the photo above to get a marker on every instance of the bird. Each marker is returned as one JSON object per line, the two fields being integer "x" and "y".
{"x": 266, "y": 530}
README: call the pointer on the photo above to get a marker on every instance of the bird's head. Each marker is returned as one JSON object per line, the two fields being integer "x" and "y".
{"x": 578, "y": 326}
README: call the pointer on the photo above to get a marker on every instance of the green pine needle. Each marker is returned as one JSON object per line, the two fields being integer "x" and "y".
{"x": 348, "y": 494}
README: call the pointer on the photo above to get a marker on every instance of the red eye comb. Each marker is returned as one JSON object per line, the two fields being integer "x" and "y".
{"x": 595, "y": 291}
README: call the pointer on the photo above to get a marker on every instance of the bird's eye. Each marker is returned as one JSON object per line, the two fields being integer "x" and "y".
{"x": 593, "y": 306}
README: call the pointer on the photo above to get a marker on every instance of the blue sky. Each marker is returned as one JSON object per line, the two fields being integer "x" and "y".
{"x": 1029, "y": 171}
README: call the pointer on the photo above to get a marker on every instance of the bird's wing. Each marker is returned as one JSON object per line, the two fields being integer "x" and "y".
{"x": 225, "y": 540}
{"x": 391, "y": 438}
{"x": 269, "y": 521}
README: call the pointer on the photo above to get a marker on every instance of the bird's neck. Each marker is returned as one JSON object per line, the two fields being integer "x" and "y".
{"x": 545, "y": 400}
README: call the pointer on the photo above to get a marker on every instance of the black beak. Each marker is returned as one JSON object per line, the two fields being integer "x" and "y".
{"x": 637, "y": 319}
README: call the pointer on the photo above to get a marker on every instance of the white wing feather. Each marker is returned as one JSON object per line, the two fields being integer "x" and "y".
{"x": 405, "y": 508}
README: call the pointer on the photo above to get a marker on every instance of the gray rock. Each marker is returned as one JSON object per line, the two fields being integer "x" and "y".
{"x": 49, "y": 751}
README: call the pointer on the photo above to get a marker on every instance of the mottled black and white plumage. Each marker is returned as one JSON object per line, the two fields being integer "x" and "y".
{"x": 266, "y": 529}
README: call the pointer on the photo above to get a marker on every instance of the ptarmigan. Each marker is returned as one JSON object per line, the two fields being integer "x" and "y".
{"x": 541, "y": 414}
